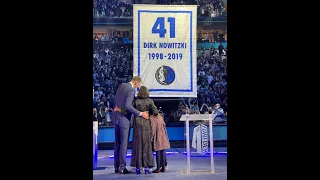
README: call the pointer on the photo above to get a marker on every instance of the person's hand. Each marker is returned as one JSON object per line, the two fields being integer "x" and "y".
{"x": 145, "y": 114}
{"x": 116, "y": 109}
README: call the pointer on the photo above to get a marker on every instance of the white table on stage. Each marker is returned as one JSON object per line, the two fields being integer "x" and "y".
{"x": 198, "y": 117}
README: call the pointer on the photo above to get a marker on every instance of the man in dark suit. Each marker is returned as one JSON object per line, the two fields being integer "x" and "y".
{"x": 121, "y": 122}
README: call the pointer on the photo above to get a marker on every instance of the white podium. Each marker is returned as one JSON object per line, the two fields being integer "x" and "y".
{"x": 197, "y": 117}
{"x": 95, "y": 144}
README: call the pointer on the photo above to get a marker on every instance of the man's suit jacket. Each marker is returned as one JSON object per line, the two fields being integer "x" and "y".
{"x": 123, "y": 99}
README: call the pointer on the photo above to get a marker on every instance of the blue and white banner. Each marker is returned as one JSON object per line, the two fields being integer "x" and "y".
{"x": 164, "y": 45}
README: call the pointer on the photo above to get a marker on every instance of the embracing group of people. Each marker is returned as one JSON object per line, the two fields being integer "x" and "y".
{"x": 149, "y": 131}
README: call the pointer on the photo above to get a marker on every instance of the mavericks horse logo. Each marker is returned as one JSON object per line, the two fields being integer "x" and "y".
{"x": 165, "y": 75}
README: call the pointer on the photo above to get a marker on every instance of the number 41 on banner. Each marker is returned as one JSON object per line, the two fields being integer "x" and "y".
{"x": 162, "y": 30}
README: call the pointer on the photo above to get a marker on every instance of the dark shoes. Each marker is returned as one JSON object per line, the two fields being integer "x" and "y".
{"x": 156, "y": 171}
{"x": 122, "y": 171}
{"x": 162, "y": 169}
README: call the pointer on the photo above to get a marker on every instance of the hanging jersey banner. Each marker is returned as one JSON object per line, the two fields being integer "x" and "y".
{"x": 164, "y": 45}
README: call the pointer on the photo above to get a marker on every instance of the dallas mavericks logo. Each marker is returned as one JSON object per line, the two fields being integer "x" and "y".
{"x": 165, "y": 75}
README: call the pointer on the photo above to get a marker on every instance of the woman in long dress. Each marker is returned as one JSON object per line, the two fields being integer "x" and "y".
{"x": 142, "y": 155}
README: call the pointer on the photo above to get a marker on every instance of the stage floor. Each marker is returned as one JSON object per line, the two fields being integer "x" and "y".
{"x": 176, "y": 164}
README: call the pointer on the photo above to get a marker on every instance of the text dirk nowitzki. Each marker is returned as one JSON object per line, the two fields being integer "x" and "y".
{"x": 165, "y": 45}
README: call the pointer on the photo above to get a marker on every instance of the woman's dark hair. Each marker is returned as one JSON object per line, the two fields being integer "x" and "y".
{"x": 143, "y": 92}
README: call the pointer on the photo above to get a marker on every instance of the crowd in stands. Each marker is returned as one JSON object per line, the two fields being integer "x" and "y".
{"x": 124, "y": 8}
{"x": 206, "y": 8}
{"x": 213, "y": 36}
{"x": 212, "y": 76}
{"x": 113, "y": 65}
{"x": 115, "y": 38}
{"x": 116, "y": 8}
